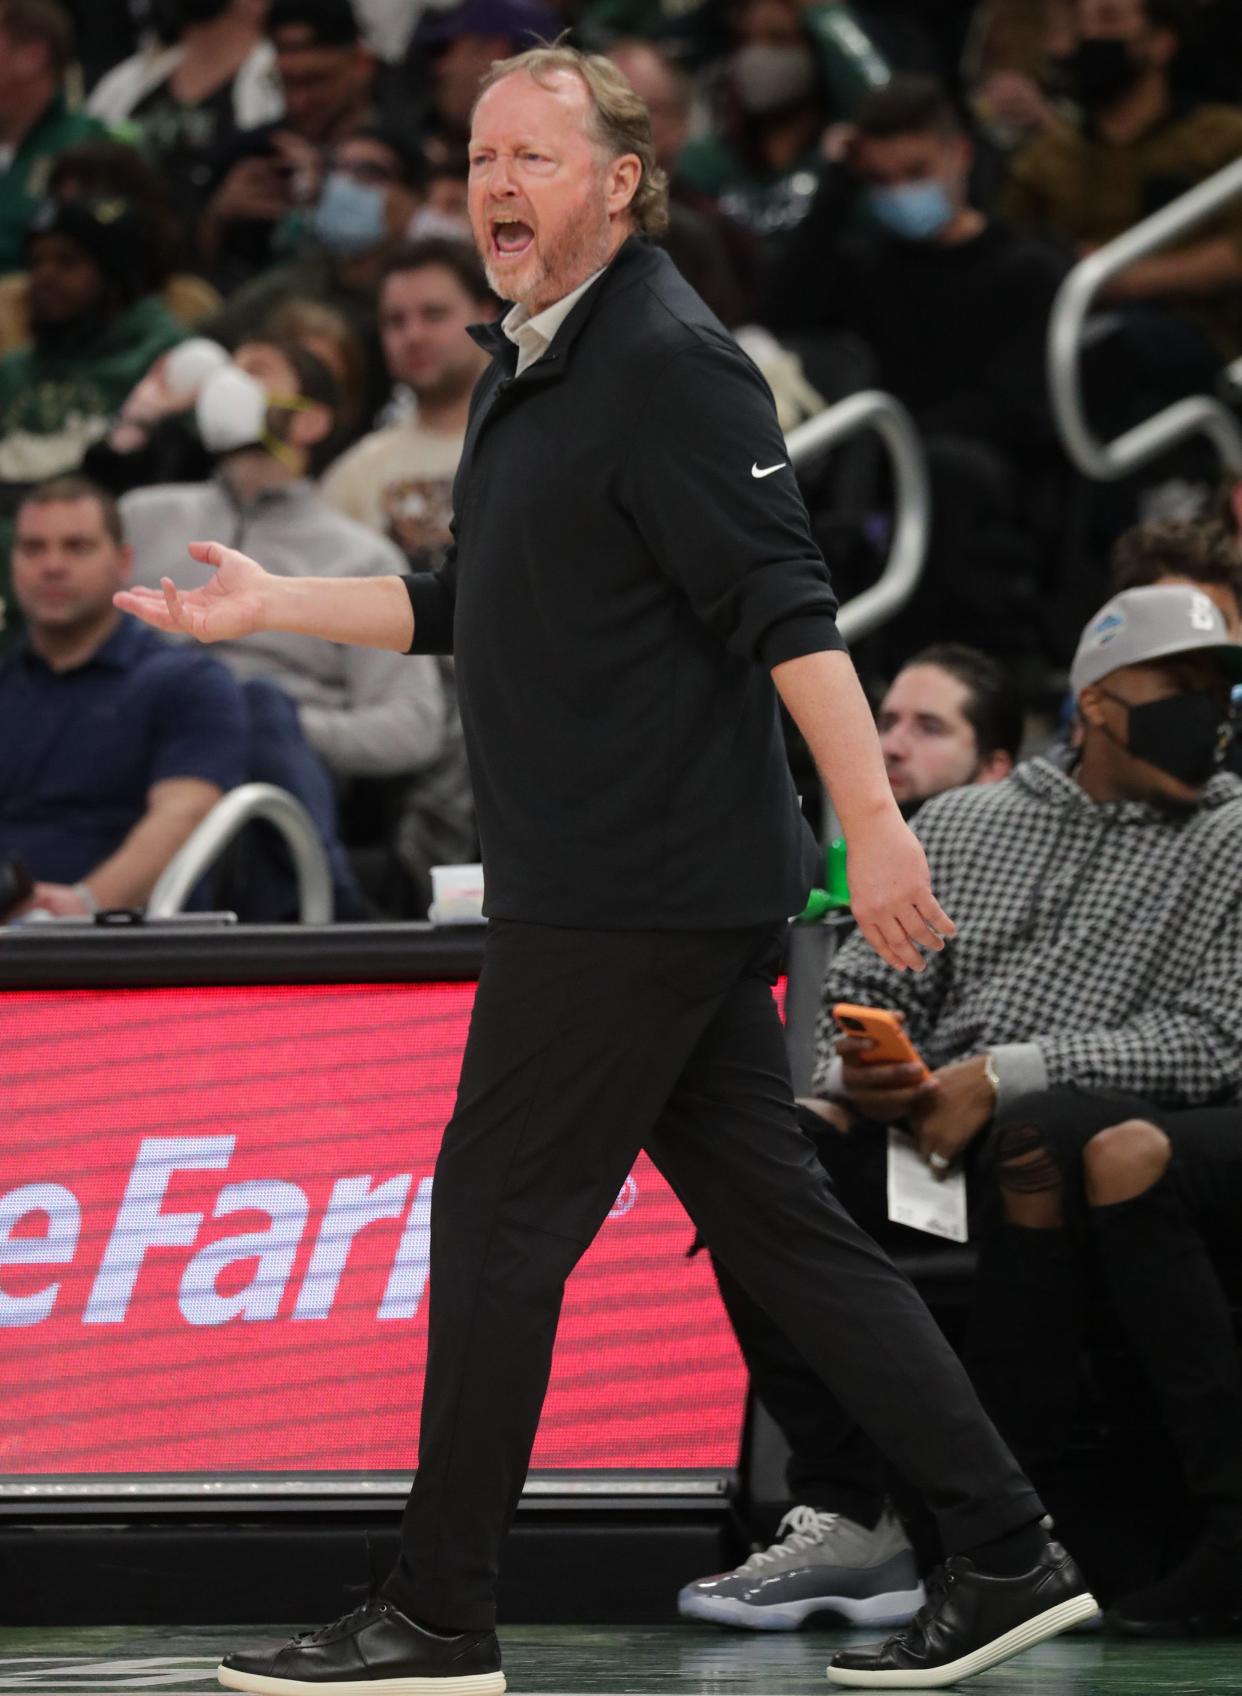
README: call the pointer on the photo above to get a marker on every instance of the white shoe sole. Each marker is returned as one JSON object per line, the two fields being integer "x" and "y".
{"x": 895, "y": 1607}
{"x": 474, "y": 1684}
{"x": 1025, "y": 1636}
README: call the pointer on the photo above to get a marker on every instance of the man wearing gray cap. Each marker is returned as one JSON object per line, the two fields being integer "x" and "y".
{"x": 1098, "y": 895}
{"x": 1174, "y": 704}
{"x": 1108, "y": 1170}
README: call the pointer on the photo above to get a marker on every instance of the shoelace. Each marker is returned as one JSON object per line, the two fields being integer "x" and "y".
{"x": 355, "y": 1616}
{"x": 801, "y": 1528}
{"x": 939, "y": 1581}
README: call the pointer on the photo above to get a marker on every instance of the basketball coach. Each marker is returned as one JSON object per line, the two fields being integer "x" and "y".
{"x": 633, "y": 574}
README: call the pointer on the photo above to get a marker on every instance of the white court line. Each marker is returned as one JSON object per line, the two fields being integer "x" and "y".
{"x": 134, "y": 1673}
{"x": 26, "y": 1682}
{"x": 46, "y": 1681}
{"x": 94, "y": 1662}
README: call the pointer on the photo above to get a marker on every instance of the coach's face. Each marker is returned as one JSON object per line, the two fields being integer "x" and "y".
{"x": 547, "y": 207}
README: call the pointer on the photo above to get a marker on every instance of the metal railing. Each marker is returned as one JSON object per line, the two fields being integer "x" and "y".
{"x": 1197, "y": 414}
{"x": 874, "y": 410}
{"x": 212, "y": 836}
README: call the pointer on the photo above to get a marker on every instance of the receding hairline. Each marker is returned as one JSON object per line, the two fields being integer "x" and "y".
{"x": 544, "y": 82}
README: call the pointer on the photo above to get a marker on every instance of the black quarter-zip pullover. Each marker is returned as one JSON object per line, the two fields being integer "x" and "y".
{"x": 632, "y": 558}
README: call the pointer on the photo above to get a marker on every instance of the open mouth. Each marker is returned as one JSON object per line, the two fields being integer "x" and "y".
{"x": 511, "y": 237}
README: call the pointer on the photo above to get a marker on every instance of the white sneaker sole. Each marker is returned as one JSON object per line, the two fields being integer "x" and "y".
{"x": 895, "y": 1607}
{"x": 474, "y": 1684}
{"x": 1025, "y": 1636}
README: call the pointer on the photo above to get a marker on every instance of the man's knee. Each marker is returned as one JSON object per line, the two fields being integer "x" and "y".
{"x": 1124, "y": 1160}
{"x": 269, "y": 707}
{"x": 1031, "y": 1187}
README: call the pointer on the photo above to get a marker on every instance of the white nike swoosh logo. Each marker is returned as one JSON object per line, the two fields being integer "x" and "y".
{"x": 767, "y": 470}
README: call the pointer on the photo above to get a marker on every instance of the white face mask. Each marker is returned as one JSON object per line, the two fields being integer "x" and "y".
{"x": 190, "y": 364}
{"x": 231, "y": 411}
{"x": 431, "y": 221}
{"x": 771, "y": 78}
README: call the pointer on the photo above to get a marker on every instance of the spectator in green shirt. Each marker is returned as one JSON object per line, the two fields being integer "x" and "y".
{"x": 95, "y": 329}
{"x": 36, "y": 47}
{"x": 793, "y": 70}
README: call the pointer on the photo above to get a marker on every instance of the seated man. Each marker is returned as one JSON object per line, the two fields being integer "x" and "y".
{"x": 104, "y": 170}
{"x": 116, "y": 743}
{"x": 95, "y": 329}
{"x": 954, "y": 306}
{"x": 1193, "y": 551}
{"x": 1138, "y": 144}
{"x": 36, "y": 51}
{"x": 789, "y": 72}
{"x": 399, "y": 480}
{"x": 328, "y": 84}
{"x": 365, "y": 712}
{"x": 950, "y": 717}
{"x": 366, "y": 198}
{"x": 1099, "y": 928}
{"x": 183, "y": 103}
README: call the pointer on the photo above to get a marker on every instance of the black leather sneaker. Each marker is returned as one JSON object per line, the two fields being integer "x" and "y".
{"x": 972, "y": 1621}
{"x": 375, "y": 1646}
{"x": 1202, "y": 1596}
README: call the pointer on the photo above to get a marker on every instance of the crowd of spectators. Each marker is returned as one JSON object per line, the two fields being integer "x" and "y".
{"x": 236, "y": 280}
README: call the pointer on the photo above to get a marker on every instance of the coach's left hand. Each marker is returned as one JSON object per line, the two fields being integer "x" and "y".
{"x": 891, "y": 893}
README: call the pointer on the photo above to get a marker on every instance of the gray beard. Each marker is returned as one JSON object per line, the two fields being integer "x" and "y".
{"x": 579, "y": 258}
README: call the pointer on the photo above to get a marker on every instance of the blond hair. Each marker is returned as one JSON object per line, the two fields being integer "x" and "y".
{"x": 618, "y": 121}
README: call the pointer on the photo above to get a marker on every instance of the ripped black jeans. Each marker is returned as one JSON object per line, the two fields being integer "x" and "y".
{"x": 1160, "y": 1254}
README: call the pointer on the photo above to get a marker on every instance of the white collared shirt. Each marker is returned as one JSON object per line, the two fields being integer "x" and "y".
{"x": 533, "y": 336}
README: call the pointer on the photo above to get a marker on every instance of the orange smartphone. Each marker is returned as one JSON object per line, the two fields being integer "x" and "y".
{"x": 890, "y": 1044}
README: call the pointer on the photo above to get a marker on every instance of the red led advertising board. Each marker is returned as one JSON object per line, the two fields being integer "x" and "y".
{"x": 213, "y": 1246}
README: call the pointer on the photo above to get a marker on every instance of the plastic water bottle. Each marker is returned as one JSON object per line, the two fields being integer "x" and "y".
{"x": 835, "y": 896}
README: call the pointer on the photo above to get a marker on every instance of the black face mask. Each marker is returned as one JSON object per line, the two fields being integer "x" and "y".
{"x": 1101, "y": 71}
{"x": 1184, "y": 735}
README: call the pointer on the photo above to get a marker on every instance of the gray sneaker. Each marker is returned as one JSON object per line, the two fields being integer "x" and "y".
{"x": 820, "y": 1563}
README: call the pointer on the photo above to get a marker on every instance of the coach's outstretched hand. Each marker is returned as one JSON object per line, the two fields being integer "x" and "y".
{"x": 229, "y": 606}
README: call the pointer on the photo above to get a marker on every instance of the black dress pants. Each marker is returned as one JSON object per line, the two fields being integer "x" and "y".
{"x": 833, "y": 1465}
{"x": 585, "y": 1047}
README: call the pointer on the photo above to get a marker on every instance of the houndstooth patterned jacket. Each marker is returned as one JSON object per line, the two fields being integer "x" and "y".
{"x": 1097, "y": 944}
